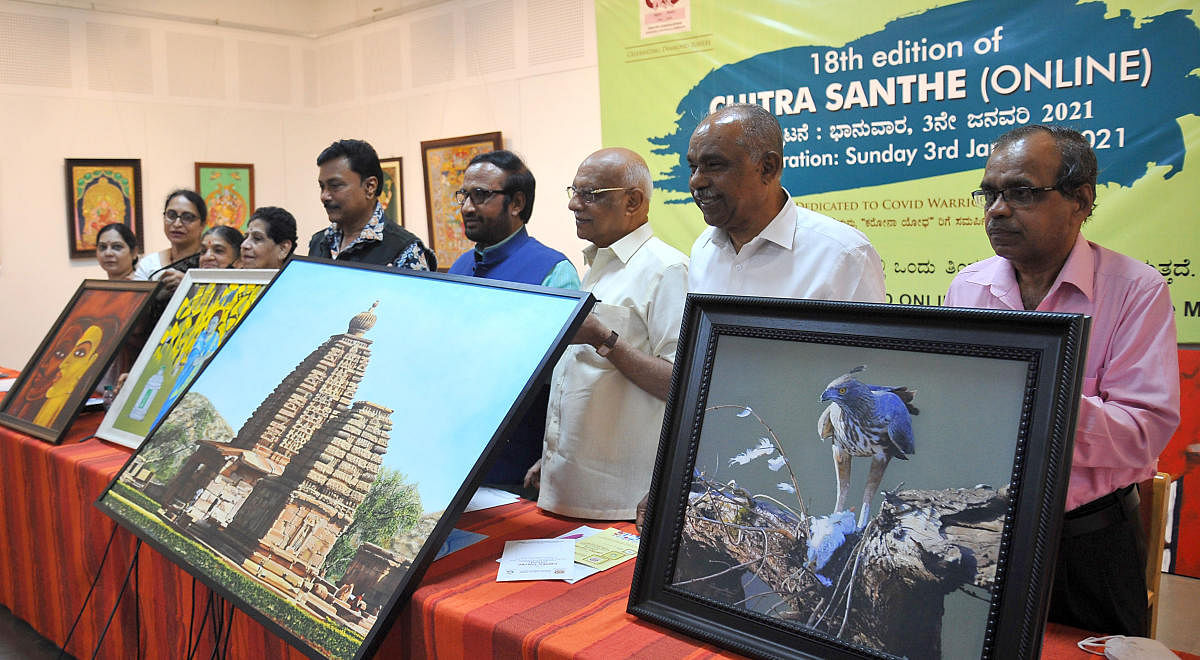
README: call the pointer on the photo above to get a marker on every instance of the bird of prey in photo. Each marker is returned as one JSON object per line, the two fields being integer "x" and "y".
{"x": 866, "y": 420}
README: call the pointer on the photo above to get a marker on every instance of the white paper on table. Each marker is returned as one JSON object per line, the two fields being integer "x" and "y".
{"x": 486, "y": 498}
{"x": 536, "y": 559}
{"x": 6, "y": 384}
{"x": 581, "y": 570}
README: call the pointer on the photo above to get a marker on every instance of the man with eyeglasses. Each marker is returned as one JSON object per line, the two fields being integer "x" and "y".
{"x": 350, "y": 179}
{"x": 1038, "y": 188}
{"x": 496, "y": 202}
{"x": 608, "y": 391}
{"x": 759, "y": 242}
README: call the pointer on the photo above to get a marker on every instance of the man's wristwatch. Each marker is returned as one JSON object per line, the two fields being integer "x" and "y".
{"x": 607, "y": 345}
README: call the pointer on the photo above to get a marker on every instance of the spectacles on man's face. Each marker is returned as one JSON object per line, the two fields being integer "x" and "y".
{"x": 1016, "y": 196}
{"x": 477, "y": 195}
{"x": 588, "y": 196}
{"x": 171, "y": 215}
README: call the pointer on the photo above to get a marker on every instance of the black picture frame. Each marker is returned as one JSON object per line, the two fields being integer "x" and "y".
{"x": 101, "y": 191}
{"x": 726, "y": 553}
{"x": 318, "y": 396}
{"x": 85, "y": 337}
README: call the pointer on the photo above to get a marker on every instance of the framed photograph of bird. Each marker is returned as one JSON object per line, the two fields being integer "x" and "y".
{"x": 848, "y": 480}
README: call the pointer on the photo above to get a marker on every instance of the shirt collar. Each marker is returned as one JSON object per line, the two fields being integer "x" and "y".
{"x": 1079, "y": 270}
{"x": 623, "y": 248}
{"x": 373, "y": 231}
{"x": 507, "y": 239}
{"x": 780, "y": 231}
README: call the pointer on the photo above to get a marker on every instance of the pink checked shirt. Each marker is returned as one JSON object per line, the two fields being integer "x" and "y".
{"x": 1130, "y": 403}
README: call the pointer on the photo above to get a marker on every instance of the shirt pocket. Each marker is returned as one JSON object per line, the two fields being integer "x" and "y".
{"x": 617, "y": 318}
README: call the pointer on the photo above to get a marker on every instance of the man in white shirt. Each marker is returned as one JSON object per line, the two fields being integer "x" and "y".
{"x": 607, "y": 393}
{"x": 759, "y": 242}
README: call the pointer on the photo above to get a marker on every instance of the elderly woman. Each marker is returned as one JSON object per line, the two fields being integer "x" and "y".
{"x": 183, "y": 219}
{"x": 115, "y": 251}
{"x": 270, "y": 238}
{"x": 220, "y": 247}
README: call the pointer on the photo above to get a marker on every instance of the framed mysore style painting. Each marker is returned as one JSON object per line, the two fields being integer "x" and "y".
{"x": 845, "y": 480}
{"x": 71, "y": 360}
{"x": 444, "y": 162}
{"x": 391, "y": 195}
{"x": 206, "y": 307}
{"x": 315, "y": 465}
{"x": 101, "y": 192}
{"x": 228, "y": 191}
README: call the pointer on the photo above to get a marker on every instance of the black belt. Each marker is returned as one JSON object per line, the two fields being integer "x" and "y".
{"x": 1116, "y": 507}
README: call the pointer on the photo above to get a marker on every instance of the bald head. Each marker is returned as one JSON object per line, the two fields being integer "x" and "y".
{"x": 760, "y": 132}
{"x": 624, "y": 206}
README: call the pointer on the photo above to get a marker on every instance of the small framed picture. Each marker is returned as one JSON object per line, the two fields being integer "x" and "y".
{"x": 444, "y": 162}
{"x": 392, "y": 193}
{"x": 101, "y": 191}
{"x": 228, "y": 191}
{"x": 71, "y": 360}
{"x": 846, "y": 480}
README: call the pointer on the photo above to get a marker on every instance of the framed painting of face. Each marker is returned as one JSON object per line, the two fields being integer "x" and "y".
{"x": 228, "y": 191}
{"x": 101, "y": 192}
{"x": 391, "y": 194}
{"x": 71, "y": 360}
{"x": 444, "y": 162}
{"x": 846, "y": 480}
{"x": 316, "y": 463}
{"x": 206, "y": 307}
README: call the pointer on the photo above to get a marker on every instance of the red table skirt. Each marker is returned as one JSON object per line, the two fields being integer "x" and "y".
{"x": 53, "y": 538}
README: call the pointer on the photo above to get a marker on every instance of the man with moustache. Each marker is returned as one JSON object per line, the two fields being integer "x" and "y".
{"x": 1038, "y": 188}
{"x": 496, "y": 202}
{"x": 607, "y": 393}
{"x": 759, "y": 242}
{"x": 350, "y": 179}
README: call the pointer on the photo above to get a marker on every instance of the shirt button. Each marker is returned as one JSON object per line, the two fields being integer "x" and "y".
{"x": 739, "y": 267}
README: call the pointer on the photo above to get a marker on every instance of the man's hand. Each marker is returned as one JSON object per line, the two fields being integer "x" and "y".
{"x": 533, "y": 476}
{"x": 641, "y": 512}
{"x": 592, "y": 332}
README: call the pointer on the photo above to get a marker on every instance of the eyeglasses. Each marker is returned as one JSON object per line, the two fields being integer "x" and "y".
{"x": 1018, "y": 196}
{"x": 588, "y": 196}
{"x": 478, "y": 195}
{"x": 171, "y": 215}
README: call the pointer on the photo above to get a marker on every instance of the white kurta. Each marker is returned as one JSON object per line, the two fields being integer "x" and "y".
{"x": 602, "y": 430}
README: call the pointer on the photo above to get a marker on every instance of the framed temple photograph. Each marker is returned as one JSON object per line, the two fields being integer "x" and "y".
{"x": 101, "y": 191}
{"x": 205, "y": 308}
{"x": 228, "y": 192}
{"x": 316, "y": 463}
{"x": 391, "y": 195}
{"x": 850, "y": 480}
{"x": 73, "y": 357}
{"x": 444, "y": 162}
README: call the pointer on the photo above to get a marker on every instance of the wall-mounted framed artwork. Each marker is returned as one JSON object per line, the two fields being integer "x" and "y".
{"x": 302, "y": 479}
{"x": 206, "y": 307}
{"x": 845, "y": 480}
{"x": 444, "y": 162}
{"x": 391, "y": 195}
{"x": 71, "y": 360}
{"x": 101, "y": 191}
{"x": 228, "y": 191}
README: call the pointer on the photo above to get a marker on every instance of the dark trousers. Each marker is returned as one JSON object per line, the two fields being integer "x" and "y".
{"x": 1100, "y": 572}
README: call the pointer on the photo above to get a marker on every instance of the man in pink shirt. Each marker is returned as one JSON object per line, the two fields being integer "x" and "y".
{"x": 1038, "y": 188}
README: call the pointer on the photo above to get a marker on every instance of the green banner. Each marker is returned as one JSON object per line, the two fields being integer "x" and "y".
{"x": 888, "y": 115}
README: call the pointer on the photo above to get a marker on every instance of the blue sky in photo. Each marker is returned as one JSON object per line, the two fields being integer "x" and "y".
{"x": 449, "y": 358}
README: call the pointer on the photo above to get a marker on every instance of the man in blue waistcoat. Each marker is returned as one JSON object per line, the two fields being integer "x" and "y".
{"x": 496, "y": 201}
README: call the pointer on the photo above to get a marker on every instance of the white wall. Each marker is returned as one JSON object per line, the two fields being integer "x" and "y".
{"x": 84, "y": 84}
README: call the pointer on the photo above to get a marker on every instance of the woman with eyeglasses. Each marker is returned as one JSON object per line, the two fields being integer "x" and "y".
{"x": 184, "y": 215}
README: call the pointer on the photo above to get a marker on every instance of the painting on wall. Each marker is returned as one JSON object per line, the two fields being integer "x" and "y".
{"x": 206, "y": 307}
{"x": 855, "y": 480}
{"x": 100, "y": 192}
{"x": 71, "y": 360}
{"x": 444, "y": 162}
{"x": 228, "y": 191}
{"x": 304, "y": 481}
{"x": 391, "y": 195}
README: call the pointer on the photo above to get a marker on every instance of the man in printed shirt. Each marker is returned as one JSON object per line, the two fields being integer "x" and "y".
{"x": 607, "y": 393}
{"x": 351, "y": 178}
{"x": 1038, "y": 188}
